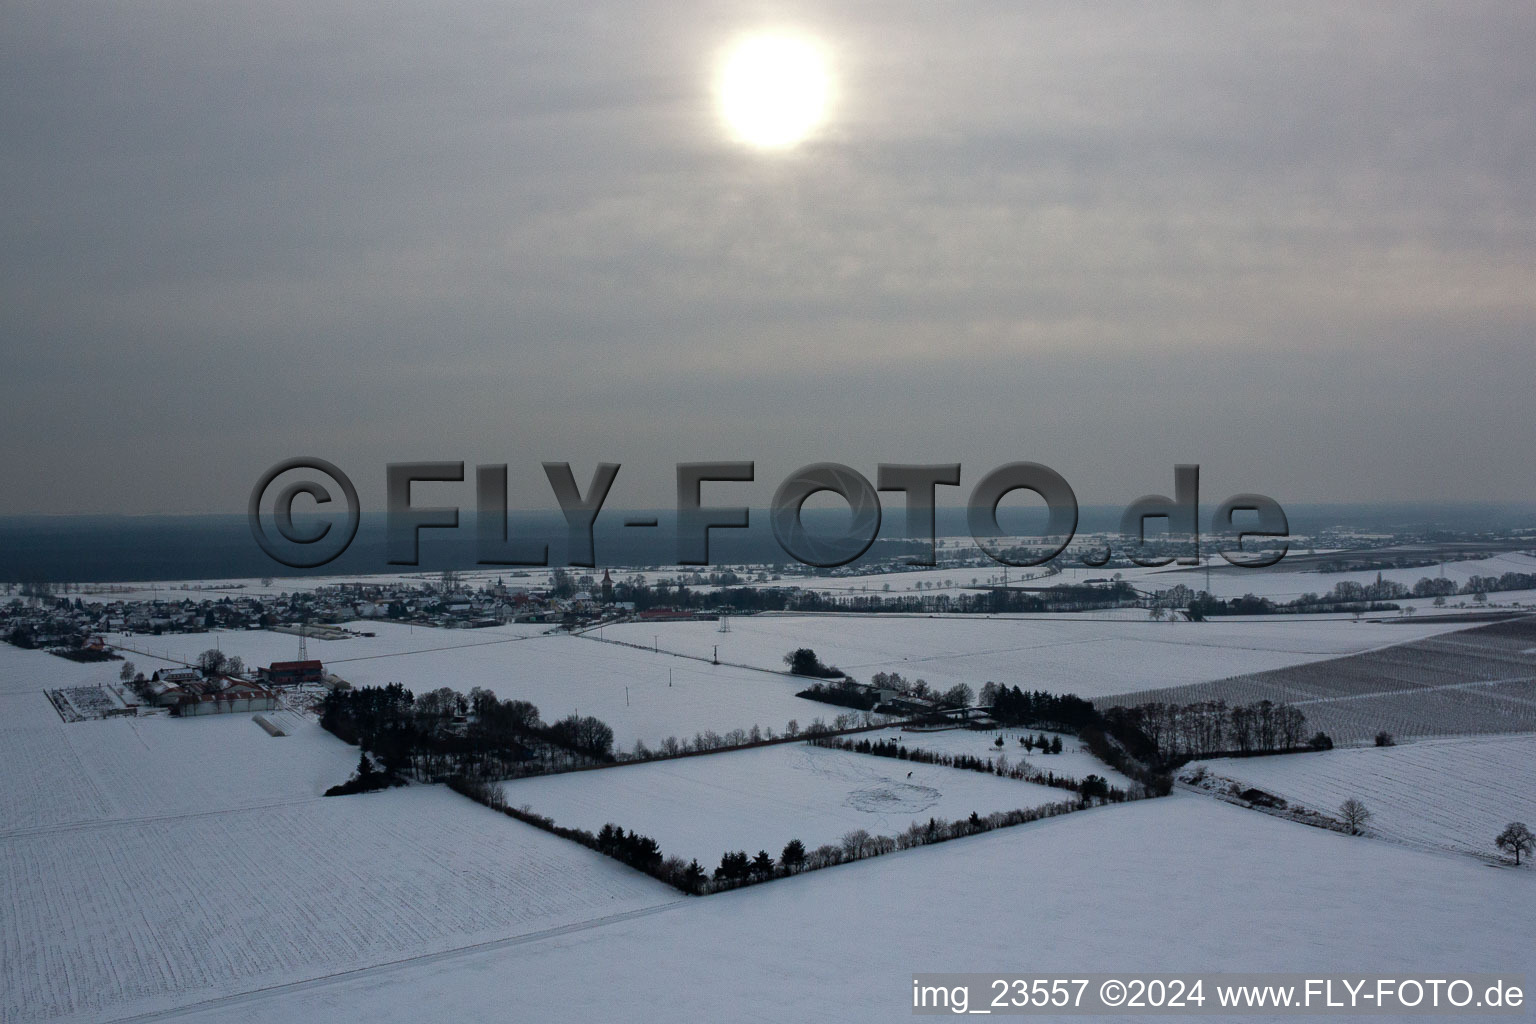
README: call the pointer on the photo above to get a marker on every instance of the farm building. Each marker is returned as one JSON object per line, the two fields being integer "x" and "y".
{"x": 292, "y": 673}
{"x": 237, "y": 696}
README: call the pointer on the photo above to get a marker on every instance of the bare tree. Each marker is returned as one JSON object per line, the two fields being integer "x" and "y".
{"x": 1354, "y": 815}
{"x": 958, "y": 696}
{"x": 857, "y": 844}
{"x": 1291, "y": 722}
{"x": 1516, "y": 839}
{"x": 126, "y": 674}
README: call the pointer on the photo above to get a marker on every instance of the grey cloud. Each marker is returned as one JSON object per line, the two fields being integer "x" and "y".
{"x": 1302, "y": 236}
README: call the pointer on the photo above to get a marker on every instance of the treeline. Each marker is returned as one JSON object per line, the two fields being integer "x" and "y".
{"x": 1352, "y": 596}
{"x": 640, "y": 852}
{"x": 444, "y": 733}
{"x": 1338, "y": 565}
{"x": 1094, "y": 787}
{"x": 709, "y": 740}
{"x": 1207, "y": 728}
{"x": 1061, "y": 598}
{"x": 737, "y": 869}
{"x": 1489, "y": 584}
{"x": 1205, "y": 606}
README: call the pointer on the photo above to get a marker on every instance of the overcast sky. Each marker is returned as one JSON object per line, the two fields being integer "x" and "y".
{"x": 1293, "y": 243}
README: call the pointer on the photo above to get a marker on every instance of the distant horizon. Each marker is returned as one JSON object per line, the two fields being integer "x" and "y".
{"x": 117, "y": 548}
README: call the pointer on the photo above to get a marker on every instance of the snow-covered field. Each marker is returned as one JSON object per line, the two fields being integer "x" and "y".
{"x": 137, "y": 915}
{"x": 134, "y": 768}
{"x": 1064, "y": 654}
{"x": 152, "y": 865}
{"x": 156, "y": 862}
{"x": 640, "y": 694}
{"x": 261, "y": 647}
{"x": 1479, "y": 680}
{"x": 1453, "y": 794}
{"x": 1074, "y": 760}
{"x": 1180, "y": 884}
{"x": 28, "y": 672}
{"x": 760, "y": 799}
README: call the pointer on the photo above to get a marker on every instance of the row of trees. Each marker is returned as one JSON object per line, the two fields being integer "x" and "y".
{"x": 640, "y": 852}
{"x": 710, "y": 740}
{"x": 1094, "y": 787}
{"x": 997, "y": 600}
{"x": 1210, "y": 727}
{"x": 737, "y": 869}
{"x": 1351, "y": 596}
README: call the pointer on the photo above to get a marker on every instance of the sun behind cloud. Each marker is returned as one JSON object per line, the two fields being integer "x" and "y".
{"x": 774, "y": 90}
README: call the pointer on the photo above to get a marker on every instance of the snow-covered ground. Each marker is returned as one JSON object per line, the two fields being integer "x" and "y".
{"x": 262, "y": 647}
{"x": 1074, "y": 760}
{"x": 32, "y": 672}
{"x": 1454, "y": 794}
{"x": 138, "y": 915}
{"x": 760, "y": 799}
{"x": 155, "y": 862}
{"x": 1180, "y": 884}
{"x": 1064, "y": 654}
{"x": 640, "y": 694}
{"x": 147, "y": 767}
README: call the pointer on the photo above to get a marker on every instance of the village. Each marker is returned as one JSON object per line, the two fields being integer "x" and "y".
{"x": 59, "y": 620}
